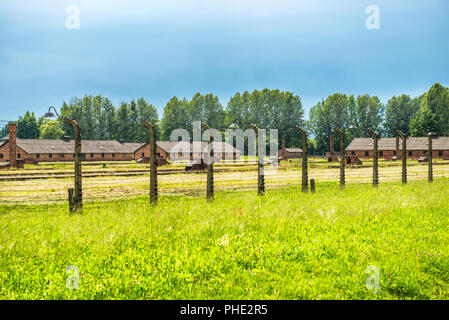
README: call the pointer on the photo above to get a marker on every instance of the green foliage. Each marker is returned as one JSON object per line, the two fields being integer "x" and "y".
{"x": 438, "y": 103}
{"x": 399, "y": 112}
{"x": 327, "y": 115}
{"x": 123, "y": 123}
{"x": 369, "y": 113}
{"x": 207, "y": 109}
{"x": 286, "y": 245}
{"x": 4, "y": 131}
{"x": 27, "y": 127}
{"x": 347, "y": 113}
{"x": 423, "y": 123}
{"x": 175, "y": 116}
{"x": 180, "y": 114}
{"x": 51, "y": 130}
{"x": 275, "y": 109}
{"x": 100, "y": 120}
{"x": 267, "y": 109}
{"x": 146, "y": 112}
{"x": 434, "y": 112}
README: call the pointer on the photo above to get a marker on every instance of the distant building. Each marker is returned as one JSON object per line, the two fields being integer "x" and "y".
{"x": 52, "y": 150}
{"x": 182, "y": 150}
{"x": 389, "y": 148}
{"x": 289, "y": 153}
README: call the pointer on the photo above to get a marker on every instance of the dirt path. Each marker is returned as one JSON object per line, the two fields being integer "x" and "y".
{"x": 103, "y": 188}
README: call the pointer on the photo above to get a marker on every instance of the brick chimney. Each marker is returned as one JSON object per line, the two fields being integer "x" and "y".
{"x": 332, "y": 145}
{"x": 12, "y": 144}
{"x": 397, "y": 145}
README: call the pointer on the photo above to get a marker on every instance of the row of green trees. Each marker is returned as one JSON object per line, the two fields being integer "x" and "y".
{"x": 271, "y": 109}
{"x": 28, "y": 127}
{"x": 417, "y": 116}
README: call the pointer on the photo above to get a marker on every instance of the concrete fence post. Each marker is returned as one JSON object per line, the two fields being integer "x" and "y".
{"x": 375, "y": 157}
{"x": 342, "y": 157}
{"x": 153, "y": 162}
{"x": 404, "y": 156}
{"x": 77, "y": 204}
{"x": 260, "y": 166}
{"x": 312, "y": 185}
{"x": 305, "y": 173}
{"x": 71, "y": 199}
{"x": 210, "y": 166}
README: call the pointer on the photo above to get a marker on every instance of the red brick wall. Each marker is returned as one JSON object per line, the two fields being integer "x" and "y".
{"x": 45, "y": 157}
{"x": 144, "y": 152}
{"x": 390, "y": 153}
{"x": 292, "y": 155}
{"x": 5, "y": 149}
{"x": 162, "y": 153}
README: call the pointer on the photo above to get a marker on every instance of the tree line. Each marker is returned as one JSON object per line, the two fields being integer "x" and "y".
{"x": 99, "y": 119}
{"x": 415, "y": 117}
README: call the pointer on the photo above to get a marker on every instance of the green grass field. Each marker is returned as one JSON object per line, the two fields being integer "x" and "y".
{"x": 284, "y": 245}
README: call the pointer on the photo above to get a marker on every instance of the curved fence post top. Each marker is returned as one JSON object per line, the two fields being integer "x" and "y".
{"x": 254, "y": 127}
{"x": 339, "y": 131}
{"x": 401, "y": 134}
{"x": 72, "y": 122}
{"x": 204, "y": 126}
{"x": 301, "y": 130}
{"x": 149, "y": 125}
{"x": 371, "y": 132}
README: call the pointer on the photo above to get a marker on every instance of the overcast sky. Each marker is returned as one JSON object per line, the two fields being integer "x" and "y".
{"x": 161, "y": 48}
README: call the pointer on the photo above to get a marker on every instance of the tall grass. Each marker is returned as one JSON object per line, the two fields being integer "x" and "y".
{"x": 284, "y": 245}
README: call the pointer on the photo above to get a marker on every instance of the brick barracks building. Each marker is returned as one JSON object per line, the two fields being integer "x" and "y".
{"x": 32, "y": 151}
{"x": 389, "y": 148}
{"x": 289, "y": 153}
{"x": 182, "y": 150}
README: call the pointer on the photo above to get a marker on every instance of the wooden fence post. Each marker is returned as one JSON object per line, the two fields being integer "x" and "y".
{"x": 430, "y": 136}
{"x": 375, "y": 157}
{"x": 153, "y": 162}
{"x": 78, "y": 192}
{"x": 342, "y": 157}
{"x": 305, "y": 173}
{"x": 404, "y": 156}
{"x": 210, "y": 166}
{"x": 260, "y": 166}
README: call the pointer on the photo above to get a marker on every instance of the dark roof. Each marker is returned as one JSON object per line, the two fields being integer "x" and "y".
{"x": 180, "y": 146}
{"x": 132, "y": 146}
{"x": 413, "y": 143}
{"x": 293, "y": 150}
{"x": 33, "y": 146}
{"x": 87, "y": 146}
